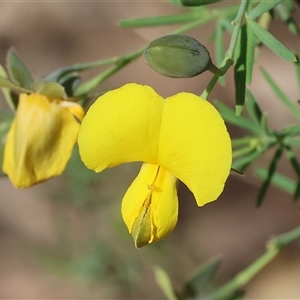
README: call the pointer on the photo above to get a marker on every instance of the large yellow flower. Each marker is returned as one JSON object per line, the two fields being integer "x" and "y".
{"x": 182, "y": 137}
{"x": 41, "y": 139}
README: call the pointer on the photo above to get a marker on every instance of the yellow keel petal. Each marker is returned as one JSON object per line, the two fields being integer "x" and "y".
{"x": 150, "y": 205}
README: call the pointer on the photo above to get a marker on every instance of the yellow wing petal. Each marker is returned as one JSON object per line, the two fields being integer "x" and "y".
{"x": 195, "y": 145}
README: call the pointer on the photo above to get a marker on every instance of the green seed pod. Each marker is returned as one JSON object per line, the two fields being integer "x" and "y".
{"x": 177, "y": 56}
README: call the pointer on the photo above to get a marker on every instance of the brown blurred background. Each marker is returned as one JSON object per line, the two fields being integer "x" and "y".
{"x": 55, "y": 243}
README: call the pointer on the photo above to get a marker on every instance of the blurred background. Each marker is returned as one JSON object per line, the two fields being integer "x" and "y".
{"x": 65, "y": 238}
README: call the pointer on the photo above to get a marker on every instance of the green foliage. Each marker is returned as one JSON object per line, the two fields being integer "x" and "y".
{"x": 18, "y": 70}
{"x": 271, "y": 42}
{"x": 246, "y": 26}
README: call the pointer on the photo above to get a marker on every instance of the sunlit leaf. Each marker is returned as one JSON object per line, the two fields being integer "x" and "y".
{"x": 271, "y": 42}
{"x": 262, "y": 7}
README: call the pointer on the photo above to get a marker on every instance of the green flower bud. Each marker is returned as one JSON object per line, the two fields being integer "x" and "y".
{"x": 177, "y": 56}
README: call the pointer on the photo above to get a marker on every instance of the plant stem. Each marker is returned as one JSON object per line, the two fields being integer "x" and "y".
{"x": 242, "y": 151}
{"x": 229, "y": 56}
{"x": 241, "y": 141}
{"x": 273, "y": 248}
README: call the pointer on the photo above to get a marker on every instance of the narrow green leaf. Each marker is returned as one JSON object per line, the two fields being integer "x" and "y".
{"x": 18, "y": 70}
{"x": 251, "y": 44}
{"x": 4, "y": 82}
{"x": 271, "y": 42}
{"x": 240, "y": 71}
{"x": 291, "y": 131}
{"x": 164, "y": 282}
{"x": 294, "y": 142}
{"x": 261, "y": 8}
{"x": 229, "y": 115}
{"x": 286, "y": 16}
{"x": 271, "y": 172}
{"x": 164, "y": 20}
{"x": 296, "y": 166}
{"x": 297, "y": 191}
{"x": 253, "y": 109}
{"x": 286, "y": 184}
{"x": 290, "y": 5}
{"x": 242, "y": 163}
{"x": 281, "y": 95}
{"x": 292, "y": 157}
{"x": 201, "y": 277}
{"x": 86, "y": 87}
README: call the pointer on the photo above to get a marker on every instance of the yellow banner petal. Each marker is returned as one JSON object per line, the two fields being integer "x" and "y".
{"x": 195, "y": 145}
{"x": 121, "y": 126}
{"x": 40, "y": 141}
{"x": 150, "y": 205}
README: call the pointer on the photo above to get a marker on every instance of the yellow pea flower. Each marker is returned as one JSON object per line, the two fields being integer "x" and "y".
{"x": 181, "y": 137}
{"x": 41, "y": 139}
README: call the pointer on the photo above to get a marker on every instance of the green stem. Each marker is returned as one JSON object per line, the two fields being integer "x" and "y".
{"x": 242, "y": 151}
{"x": 89, "y": 85}
{"x": 229, "y": 56}
{"x": 273, "y": 248}
{"x": 120, "y": 62}
{"x": 241, "y": 141}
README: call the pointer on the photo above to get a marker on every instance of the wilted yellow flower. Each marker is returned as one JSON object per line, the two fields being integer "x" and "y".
{"x": 41, "y": 139}
{"x": 182, "y": 137}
